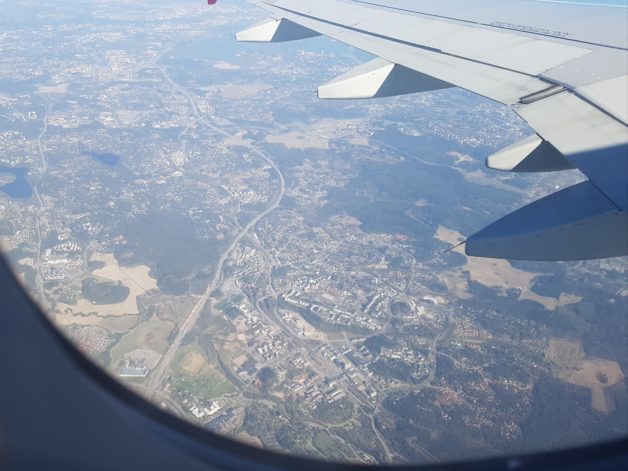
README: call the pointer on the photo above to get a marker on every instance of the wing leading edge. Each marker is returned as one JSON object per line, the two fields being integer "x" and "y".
{"x": 570, "y": 87}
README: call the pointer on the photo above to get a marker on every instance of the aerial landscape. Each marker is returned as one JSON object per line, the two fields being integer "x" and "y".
{"x": 281, "y": 269}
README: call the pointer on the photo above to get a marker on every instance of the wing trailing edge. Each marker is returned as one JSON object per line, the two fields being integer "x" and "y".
{"x": 577, "y": 223}
{"x": 579, "y": 125}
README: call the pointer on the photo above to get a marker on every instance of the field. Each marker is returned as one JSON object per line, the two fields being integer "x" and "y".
{"x": 318, "y": 135}
{"x": 298, "y": 140}
{"x": 150, "y": 335}
{"x": 324, "y": 443}
{"x": 61, "y": 88}
{"x": 595, "y": 374}
{"x": 237, "y": 92}
{"x": 119, "y": 323}
{"x": 196, "y": 376}
{"x": 137, "y": 279}
{"x": 550, "y": 304}
{"x": 564, "y": 353}
{"x": 489, "y": 272}
{"x": 498, "y": 274}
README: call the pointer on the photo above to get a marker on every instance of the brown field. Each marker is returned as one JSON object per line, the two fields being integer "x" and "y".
{"x": 298, "y": 140}
{"x": 192, "y": 363}
{"x": 77, "y": 319}
{"x": 319, "y": 134}
{"x": 597, "y": 375}
{"x": 551, "y": 304}
{"x": 224, "y": 65}
{"x": 53, "y": 89}
{"x": 499, "y": 274}
{"x": 494, "y": 273}
{"x": 238, "y": 92}
{"x": 137, "y": 279}
{"x": 564, "y": 353}
{"x": 451, "y": 237}
{"x": 112, "y": 324}
{"x": 238, "y": 361}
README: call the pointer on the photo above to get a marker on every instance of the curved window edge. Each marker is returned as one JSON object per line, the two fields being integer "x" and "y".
{"x": 58, "y": 408}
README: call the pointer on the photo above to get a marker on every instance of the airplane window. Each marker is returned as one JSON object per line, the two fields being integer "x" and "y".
{"x": 278, "y": 268}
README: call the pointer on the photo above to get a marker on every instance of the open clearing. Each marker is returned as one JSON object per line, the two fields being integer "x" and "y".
{"x": 494, "y": 273}
{"x": 192, "y": 363}
{"x": 324, "y": 443}
{"x": 238, "y": 92}
{"x": 53, "y": 89}
{"x": 551, "y": 304}
{"x": 595, "y": 374}
{"x": 238, "y": 361}
{"x": 319, "y": 134}
{"x": 224, "y": 65}
{"x": 149, "y": 335}
{"x": 112, "y": 324}
{"x": 194, "y": 374}
{"x": 119, "y": 323}
{"x": 298, "y": 140}
{"x": 137, "y": 279}
{"x": 564, "y": 353}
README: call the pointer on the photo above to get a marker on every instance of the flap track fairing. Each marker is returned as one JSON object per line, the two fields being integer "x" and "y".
{"x": 532, "y": 154}
{"x": 377, "y": 79}
{"x": 275, "y": 31}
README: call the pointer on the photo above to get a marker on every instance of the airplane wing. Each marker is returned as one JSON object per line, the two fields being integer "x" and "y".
{"x": 560, "y": 65}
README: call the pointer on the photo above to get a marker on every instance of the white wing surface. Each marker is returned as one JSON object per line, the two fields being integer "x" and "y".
{"x": 561, "y": 65}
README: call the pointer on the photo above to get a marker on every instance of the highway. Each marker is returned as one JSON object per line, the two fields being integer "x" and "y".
{"x": 44, "y": 170}
{"x": 152, "y": 386}
{"x": 188, "y": 324}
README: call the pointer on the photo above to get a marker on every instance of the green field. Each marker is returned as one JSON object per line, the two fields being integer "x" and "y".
{"x": 208, "y": 385}
{"x": 151, "y": 335}
{"x": 335, "y": 413}
{"x": 197, "y": 377}
{"x": 324, "y": 443}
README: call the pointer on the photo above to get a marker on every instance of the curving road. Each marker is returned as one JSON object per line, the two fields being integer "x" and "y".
{"x": 44, "y": 163}
{"x": 158, "y": 374}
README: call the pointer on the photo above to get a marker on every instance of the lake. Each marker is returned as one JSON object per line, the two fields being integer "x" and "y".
{"x": 18, "y": 188}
